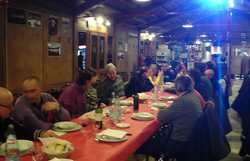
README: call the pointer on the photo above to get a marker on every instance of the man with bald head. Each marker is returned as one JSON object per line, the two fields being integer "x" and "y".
{"x": 6, "y": 99}
{"x": 36, "y": 109}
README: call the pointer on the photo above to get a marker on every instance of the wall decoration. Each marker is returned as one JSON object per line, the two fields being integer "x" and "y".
{"x": 66, "y": 27}
{"x": 17, "y": 16}
{"x": 53, "y": 26}
{"x": 82, "y": 38}
{"x": 34, "y": 20}
{"x": 54, "y": 49}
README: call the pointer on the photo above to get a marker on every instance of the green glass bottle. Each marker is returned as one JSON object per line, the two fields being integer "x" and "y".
{"x": 98, "y": 117}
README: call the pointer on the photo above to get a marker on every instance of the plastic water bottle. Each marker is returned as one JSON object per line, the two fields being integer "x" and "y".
{"x": 11, "y": 149}
{"x": 117, "y": 110}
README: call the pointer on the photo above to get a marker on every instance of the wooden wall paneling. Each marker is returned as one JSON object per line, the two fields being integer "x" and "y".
{"x": 2, "y": 45}
{"x": 58, "y": 69}
{"x": 24, "y": 57}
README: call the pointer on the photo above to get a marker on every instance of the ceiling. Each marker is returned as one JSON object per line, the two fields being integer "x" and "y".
{"x": 167, "y": 16}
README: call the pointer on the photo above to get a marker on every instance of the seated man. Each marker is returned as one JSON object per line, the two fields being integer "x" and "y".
{"x": 73, "y": 97}
{"x": 112, "y": 83}
{"x": 183, "y": 115}
{"x": 6, "y": 99}
{"x": 139, "y": 83}
{"x": 36, "y": 109}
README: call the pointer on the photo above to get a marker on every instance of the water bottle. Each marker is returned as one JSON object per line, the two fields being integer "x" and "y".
{"x": 117, "y": 110}
{"x": 11, "y": 146}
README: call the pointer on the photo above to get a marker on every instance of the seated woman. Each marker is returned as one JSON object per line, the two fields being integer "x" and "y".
{"x": 91, "y": 93}
{"x": 155, "y": 75}
{"x": 182, "y": 114}
{"x": 139, "y": 83}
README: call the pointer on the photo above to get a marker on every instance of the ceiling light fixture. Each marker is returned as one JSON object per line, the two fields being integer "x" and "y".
{"x": 203, "y": 36}
{"x": 188, "y": 25}
{"x": 231, "y": 4}
{"x": 100, "y": 20}
{"x": 142, "y": 0}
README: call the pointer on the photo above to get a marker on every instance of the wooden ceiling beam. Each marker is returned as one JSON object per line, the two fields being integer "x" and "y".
{"x": 87, "y": 5}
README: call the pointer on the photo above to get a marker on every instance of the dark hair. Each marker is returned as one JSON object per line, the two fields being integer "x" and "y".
{"x": 201, "y": 67}
{"x": 91, "y": 71}
{"x": 83, "y": 77}
{"x": 195, "y": 74}
{"x": 184, "y": 84}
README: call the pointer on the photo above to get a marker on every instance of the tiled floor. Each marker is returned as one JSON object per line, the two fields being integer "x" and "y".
{"x": 234, "y": 136}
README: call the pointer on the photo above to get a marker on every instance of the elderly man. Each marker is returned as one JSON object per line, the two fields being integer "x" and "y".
{"x": 6, "y": 99}
{"x": 113, "y": 83}
{"x": 182, "y": 114}
{"x": 36, "y": 109}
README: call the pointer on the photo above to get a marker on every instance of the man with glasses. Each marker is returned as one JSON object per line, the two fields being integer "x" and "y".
{"x": 36, "y": 109}
{"x": 6, "y": 99}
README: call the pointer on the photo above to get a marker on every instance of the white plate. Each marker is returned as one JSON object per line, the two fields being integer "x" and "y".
{"x": 143, "y": 96}
{"x": 59, "y": 159}
{"x": 109, "y": 139}
{"x": 159, "y": 105}
{"x": 126, "y": 102}
{"x": 123, "y": 125}
{"x": 168, "y": 98}
{"x": 66, "y": 126}
{"x": 143, "y": 116}
{"x": 24, "y": 147}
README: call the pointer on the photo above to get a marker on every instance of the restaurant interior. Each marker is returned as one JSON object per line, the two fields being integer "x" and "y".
{"x": 57, "y": 44}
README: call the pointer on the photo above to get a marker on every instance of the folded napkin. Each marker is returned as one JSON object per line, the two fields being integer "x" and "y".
{"x": 119, "y": 134}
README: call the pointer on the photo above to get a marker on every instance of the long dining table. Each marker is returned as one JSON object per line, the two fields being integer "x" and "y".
{"x": 87, "y": 148}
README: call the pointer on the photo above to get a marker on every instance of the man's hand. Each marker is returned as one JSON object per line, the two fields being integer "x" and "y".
{"x": 50, "y": 106}
{"x": 48, "y": 133}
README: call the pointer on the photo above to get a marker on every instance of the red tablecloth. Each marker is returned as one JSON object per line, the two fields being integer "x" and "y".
{"x": 88, "y": 149}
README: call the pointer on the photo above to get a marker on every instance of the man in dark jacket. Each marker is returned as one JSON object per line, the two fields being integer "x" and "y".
{"x": 242, "y": 106}
{"x": 6, "y": 99}
{"x": 139, "y": 83}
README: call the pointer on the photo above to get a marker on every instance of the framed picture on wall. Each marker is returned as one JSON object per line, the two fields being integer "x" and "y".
{"x": 34, "y": 20}
{"x": 66, "y": 27}
{"x": 54, "y": 49}
{"x": 53, "y": 26}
